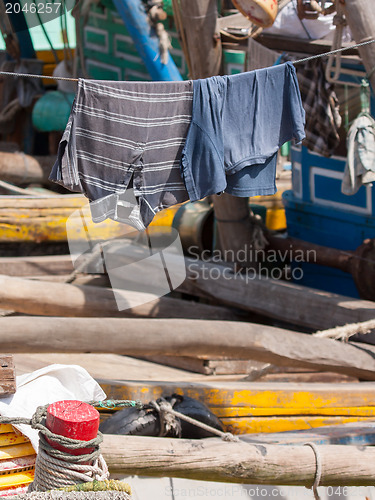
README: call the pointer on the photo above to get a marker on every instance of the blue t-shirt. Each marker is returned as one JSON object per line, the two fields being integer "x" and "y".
{"x": 238, "y": 124}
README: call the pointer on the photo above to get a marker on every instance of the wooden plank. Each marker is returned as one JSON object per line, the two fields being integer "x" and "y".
{"x": 255, "y": 370}
{"x": 241, "y": 462}
{"x": 16, "y": 479}
{"x": 17, "y": 464}
{"x": 11, "y": 438}
{"x": 105, "y": 366}
{"x": 317, "y": 309}
{"x": 7, "y": 376}
{"x": 208, "y": 366}
{"x": 326, "y": 377}
{"x": 5, "y": 428}
{"x": 44, "y": 218}
{"x": 256, "y": 395}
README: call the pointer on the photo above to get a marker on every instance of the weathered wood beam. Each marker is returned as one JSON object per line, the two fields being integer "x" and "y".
{"x": 19, "y": 168}
{"x": 178, "y": 337}
{"x": 317, "y": 310}
{"x": 36, "y": 265}
{"x": 215, "y": 460}
{"x": 61, "y": 299}
{"x": 285, "y": 301}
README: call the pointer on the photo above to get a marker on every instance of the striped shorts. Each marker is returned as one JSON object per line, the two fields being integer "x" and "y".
{"x": 122, "y": 148}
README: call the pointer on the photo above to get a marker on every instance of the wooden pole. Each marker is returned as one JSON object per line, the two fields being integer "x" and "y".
{"x": 178, "y": 337}
{"x": 61, "y": 299}
{"x": 203, "y": 49}
{"x": 202, "y": 42}
{"x": 361, "y": 20}
{"x": 215, "y": 460}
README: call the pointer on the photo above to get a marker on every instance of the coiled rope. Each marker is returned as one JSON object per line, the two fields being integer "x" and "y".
{"x": 55, "y": 468}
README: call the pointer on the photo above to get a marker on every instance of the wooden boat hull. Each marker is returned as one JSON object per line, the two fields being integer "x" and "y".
{"x": 264, "y": 407}
{"x": 45, "y": 219}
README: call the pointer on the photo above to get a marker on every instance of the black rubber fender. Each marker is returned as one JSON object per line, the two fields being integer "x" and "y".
{"x": 199, "y": 411}
{"x": 132, "y": 422}
{"x": 145, "y": 422}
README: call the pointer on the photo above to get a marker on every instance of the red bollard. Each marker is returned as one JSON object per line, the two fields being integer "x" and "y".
{"x": 75, "y": 420}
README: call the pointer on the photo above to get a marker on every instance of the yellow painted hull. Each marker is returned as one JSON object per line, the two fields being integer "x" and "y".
{"x": 49, "y": 219}
{"x": 46, "y": 219}
{"x": 265, "y": 407}
{"x": 17, "y": 461}
{"x": 17, "y": 479}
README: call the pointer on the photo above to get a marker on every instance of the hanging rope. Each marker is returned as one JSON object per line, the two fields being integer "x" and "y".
{"x": 317, "y": 56}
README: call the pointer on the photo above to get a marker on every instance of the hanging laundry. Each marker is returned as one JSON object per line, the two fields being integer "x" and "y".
{"x": 323, "y": 119}
{"x": 122, "y": 148}
{"x": 360, "y": 163}
{"x": 238, "y": 124}
{"x": 135, "y": 148}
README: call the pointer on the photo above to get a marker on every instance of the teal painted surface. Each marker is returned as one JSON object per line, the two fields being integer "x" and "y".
{"x": 53, "y": 29}
{"x": 52, "y": 110}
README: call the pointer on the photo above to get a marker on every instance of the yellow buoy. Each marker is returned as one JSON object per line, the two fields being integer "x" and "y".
{"x": 260, "y": 12}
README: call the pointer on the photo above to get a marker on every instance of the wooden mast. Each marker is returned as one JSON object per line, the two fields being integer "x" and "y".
{"x": 361, "y": 20}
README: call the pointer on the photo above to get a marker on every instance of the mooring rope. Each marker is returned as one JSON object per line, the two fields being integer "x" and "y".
{"x": 58, "y": 469}
{"x": 347, "y": 331}
{"x": 55, "y": 468}
{"x": 52, "y": 473}
{"x": 318, "y": 471}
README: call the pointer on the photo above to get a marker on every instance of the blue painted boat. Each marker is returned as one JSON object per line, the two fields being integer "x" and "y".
{"x": 318, "y": 212}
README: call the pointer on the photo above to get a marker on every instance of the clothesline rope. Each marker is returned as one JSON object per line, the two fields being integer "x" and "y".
{"x": 67, "y": 79}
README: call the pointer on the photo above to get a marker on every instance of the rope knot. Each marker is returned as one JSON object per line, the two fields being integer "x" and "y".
{"x": 169, "y": 424}
{"x": 229, "y": 437}
{"x": 339, "y": 20}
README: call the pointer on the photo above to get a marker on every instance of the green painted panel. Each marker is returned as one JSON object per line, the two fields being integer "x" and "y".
{"x": 122, "y": 52}
{"x": 99, "y": 72}
{"x": 99, "y": 38}
{"x": 233, "y": 61}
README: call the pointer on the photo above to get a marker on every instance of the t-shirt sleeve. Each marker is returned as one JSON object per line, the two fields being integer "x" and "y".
{"x": 293, "y": 121}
